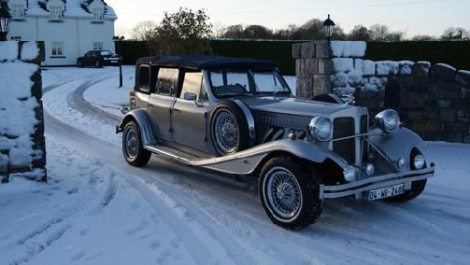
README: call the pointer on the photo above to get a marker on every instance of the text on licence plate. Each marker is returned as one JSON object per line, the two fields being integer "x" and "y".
{"x": 385, "y": 192}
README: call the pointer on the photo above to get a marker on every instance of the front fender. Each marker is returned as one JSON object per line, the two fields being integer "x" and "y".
{"x": 148, "y": 133}
{"x": 308, "y": 151}
{"x": 397, "y": 144}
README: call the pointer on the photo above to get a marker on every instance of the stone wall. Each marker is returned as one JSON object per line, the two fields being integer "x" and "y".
{"x": 22, "y": 143}
{"x": 433, "y": 100}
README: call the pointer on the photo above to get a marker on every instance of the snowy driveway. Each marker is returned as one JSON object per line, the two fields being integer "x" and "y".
{"x": 99, "y": 210}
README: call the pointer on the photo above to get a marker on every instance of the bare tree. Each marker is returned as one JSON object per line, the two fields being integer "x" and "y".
{"x": 378, "y": 32}
{"x": 144, "y": 30}
{"x": 359, "y": 32}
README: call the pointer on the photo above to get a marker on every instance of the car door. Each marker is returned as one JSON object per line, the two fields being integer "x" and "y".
{"x": 161, "y": 101}
{"x": 190, "y": 113}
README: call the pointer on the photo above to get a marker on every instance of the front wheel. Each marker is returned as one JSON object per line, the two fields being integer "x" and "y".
{"x": 132, "y": 148}
{"x": 289, "y": 192}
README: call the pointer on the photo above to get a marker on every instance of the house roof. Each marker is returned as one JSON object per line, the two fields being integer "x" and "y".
{"x": 76, "y": 8}
{"x": 207, "y": 62}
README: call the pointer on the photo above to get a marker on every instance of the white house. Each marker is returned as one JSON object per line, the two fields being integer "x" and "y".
{"x": 69, "y": 28}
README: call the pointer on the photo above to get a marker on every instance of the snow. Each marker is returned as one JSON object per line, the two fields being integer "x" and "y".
{"x": 96, "y": 209}
{"x": 450, "y": 67}
{"x": 72, "y": 8}
{"x": 348, "y": 48}
{"x": 16, "y": 126}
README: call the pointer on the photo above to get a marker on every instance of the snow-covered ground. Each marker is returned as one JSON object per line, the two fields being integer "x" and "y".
{"x": 98, "y": 210}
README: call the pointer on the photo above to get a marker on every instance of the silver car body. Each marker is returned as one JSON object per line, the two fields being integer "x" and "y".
{"x": 356, "y": 159}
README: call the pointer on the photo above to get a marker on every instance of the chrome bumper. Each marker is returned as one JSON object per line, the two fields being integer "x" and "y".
{"x": 357, "y": 188}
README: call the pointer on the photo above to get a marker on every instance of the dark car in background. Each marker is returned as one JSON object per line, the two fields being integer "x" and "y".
{"x": 98, "y": 58}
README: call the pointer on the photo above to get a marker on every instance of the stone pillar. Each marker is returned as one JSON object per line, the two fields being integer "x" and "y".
{"x": 22, "y": 142}
{"x": 313, "y": 68}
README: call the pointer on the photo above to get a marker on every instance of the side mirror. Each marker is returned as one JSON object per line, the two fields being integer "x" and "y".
{"x": 193, "y": 97}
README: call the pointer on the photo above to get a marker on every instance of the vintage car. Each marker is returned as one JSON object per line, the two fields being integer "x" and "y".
{"x": 238, "y": 116}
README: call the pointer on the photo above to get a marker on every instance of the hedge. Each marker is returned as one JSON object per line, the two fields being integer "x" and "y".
{"x": 455, "y": 53}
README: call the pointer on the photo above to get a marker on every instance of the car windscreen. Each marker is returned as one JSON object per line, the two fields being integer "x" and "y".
{"x": 241, "y": 82}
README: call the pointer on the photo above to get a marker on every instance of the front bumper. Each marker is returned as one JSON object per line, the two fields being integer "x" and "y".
{"x": 358, "y": 188}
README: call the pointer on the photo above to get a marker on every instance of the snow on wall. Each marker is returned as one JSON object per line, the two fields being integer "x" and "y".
{"x": 351, "y": 71}
{"x": 18, "y": 107}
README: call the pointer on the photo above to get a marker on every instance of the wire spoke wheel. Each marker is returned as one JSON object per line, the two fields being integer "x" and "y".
{"x": 289, "y": 192}
{"x": 226, "y": 131}
{"x": 283, "y": 193}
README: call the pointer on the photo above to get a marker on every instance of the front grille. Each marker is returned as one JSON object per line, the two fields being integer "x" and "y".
{"x": 364, "y": 129}
{"x": 344, "y": 127}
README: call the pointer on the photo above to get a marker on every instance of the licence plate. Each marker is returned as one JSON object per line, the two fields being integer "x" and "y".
{"x": 378, "y": 194}
{"x": 114, "y": 61}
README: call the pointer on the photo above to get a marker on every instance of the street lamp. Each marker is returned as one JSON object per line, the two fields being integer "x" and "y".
{"x": 117, "y": 46}
{"x": 328, "y": 26}
{"x": 5, "y": 19}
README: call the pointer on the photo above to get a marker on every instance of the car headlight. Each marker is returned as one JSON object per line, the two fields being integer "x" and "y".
{"x": 418, "y": 161}
{"x": 321, "y": 128}
{"x": 388, "y": 120}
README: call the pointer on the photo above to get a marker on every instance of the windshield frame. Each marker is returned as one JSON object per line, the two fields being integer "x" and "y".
{"x": 246, "y": 83}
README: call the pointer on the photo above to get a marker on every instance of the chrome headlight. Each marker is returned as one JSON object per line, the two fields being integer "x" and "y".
{"x": 321, "y": 128}
{"x": 388, "y": 120}
{"x": 418, "y": 161}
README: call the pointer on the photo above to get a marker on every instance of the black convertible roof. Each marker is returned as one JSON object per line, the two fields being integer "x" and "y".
{"x": 206, "y": 62}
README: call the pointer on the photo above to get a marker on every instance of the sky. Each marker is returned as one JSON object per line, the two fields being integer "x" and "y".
{"x": 413, "y": 17}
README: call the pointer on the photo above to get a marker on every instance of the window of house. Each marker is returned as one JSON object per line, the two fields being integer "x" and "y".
{"x": 56, "y": 13}
{"x": 17, "y": 11}
{"x": 97, "y": 45}
{"x": 57, "y": 48}
{"x": 167, "y": 81}
{"x": 98, "y": 15}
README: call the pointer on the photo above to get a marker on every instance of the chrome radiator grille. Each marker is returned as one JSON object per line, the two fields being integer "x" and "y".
{"x": 344, "y": 127}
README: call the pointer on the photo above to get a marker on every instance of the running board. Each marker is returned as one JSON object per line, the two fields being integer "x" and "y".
{"x": 240, "y": 163}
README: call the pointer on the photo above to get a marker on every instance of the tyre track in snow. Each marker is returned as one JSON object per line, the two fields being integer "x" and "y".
{"x": 193, "y": 233}
{"x": 214, "y": 223}
{"x": 351, "y": 230}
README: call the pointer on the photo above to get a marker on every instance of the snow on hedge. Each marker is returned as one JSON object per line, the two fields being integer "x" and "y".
{"x": 17, "y": 104}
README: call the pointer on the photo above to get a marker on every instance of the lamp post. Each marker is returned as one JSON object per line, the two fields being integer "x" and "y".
{"x": 5, "y": 19}
{"x": 117, "y": 46}
{"x": 328, "y": 26}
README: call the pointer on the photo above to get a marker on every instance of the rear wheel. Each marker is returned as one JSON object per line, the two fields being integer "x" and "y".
{"x": 132, "y": 148}
{"x": 80, "y": 63}
{"x": 289, "y": 192}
